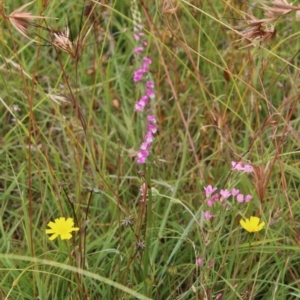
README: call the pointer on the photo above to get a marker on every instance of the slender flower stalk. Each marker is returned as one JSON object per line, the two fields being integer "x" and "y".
{"x": 141, "y": 78}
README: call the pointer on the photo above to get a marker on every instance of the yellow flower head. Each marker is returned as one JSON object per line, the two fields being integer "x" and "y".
{"x": 252, "y": 224}
{"x": 61, "y": 227}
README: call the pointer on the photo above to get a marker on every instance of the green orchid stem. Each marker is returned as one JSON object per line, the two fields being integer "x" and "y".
{"x": 148, "y": 233}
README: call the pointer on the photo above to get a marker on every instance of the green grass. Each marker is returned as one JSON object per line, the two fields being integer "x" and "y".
{"x": 69, "y": 138}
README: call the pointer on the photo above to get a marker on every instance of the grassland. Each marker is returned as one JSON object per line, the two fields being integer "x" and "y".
{"x": 226, "y": 82}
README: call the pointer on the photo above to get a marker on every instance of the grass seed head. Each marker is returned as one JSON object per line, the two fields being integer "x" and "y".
{"x": 21, "y": 20}
{"x": 61, "y": 40}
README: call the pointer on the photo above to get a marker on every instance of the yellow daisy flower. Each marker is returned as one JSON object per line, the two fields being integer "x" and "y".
{"x": 252, "y": 224}
{"x": 61, "y": 227}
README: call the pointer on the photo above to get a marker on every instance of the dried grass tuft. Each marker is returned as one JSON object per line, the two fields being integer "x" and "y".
{"x": 21, "y": 20}
{"x": 61, "y": 40}
{"x": 279, "y": 8}
{"x": 261, "y": 31}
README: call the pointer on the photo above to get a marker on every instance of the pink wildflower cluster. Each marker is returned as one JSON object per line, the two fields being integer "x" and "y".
{"x": 148, "y": 139}
{"x": 239, "y": 166}
{"x": 141, "y": 76}
{"x": 213, "y": 196}
{"x": 222, "y": 196}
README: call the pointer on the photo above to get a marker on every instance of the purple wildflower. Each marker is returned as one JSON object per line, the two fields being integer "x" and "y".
{"x": 225, "y": 194}
{"x": 248, "y": 168}
{"x": 140, "y": 105}
{"x": 138, "y": 75}
{"x": 144, "y": 153}
{"x": 212, "y": 200}
{"x": 237, "y": 166}
{"x": 150, "y": 84}
{"x": 150, "y": 93}
{"x": 151, "y": 119}
{"x": 138, "y": 50}
{"x": 145, "y": 146}
{"x": 234, "y": 192}
{"x": 141, "y": 159}
{"x": 144, "y": 68}
{"x": 152, "y": 128}
{"x": 215, "y": 197}
{"x": 207, "y": 215}
{"x": 209, "y": 190}
{"x": 248, "y": 198}
{"x": 149, "y": 138}
{"x": 147, "y": 60}
{"x": 136, "y": 36}
{"x": 141, "y": 76}
{"x": 240, "y": 198}
{"x": 210, "y": 203}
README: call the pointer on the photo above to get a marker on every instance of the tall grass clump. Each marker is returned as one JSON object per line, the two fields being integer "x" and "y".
{"x": 149, "y": 150}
